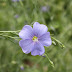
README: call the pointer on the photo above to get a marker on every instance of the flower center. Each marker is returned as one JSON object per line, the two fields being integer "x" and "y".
{"x": 35, "y": 39}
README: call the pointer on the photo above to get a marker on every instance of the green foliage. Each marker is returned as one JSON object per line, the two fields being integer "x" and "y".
{"x": 58, "y": 18}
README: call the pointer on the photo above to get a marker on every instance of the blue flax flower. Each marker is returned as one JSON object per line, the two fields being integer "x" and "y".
{"x": 16, "y": 16}
{"x": 34, "y": 39}
{"x": 45, "y": 8}
{"x": 21, "y": 67}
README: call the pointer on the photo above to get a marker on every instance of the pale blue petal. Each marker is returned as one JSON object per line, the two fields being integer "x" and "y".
{"x": 26, "y": 32}
{"x": 39, "y": 29}
{"x": 26, "y": 45}
{"x": 38, "y": 49}
{"x": 45, "y": 39}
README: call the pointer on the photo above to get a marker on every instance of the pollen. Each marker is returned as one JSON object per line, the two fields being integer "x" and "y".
{"x": 35, "y": 39}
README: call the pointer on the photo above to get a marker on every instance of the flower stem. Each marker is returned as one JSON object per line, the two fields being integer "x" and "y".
{"x": 49, "y": 60}
{"x": 8, "y": 31}
{"x": 62, "y": 45}
{"x": 8, "y": 36}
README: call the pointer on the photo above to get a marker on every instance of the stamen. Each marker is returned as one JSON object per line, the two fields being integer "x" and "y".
{"x": 35, "y": 39}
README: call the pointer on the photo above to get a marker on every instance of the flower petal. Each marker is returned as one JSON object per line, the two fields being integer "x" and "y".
{"x": 45, "y": 39}
{"x": 26, "y": 45}
{"x": 26, "y": 32}
{"x": 38, "y": 49}
{"x": 39, "y": 29}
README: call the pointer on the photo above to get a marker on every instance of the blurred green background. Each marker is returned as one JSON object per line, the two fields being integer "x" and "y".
{"x": 56, "y": 14}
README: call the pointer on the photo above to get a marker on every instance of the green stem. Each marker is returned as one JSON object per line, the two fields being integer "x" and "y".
{"x": 58, "y": 42}
{"x": 8, "y": 36}
{"x": 49, "y": 60}
{"x": 8, "y": 31}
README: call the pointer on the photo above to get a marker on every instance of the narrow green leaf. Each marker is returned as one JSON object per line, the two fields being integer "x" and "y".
{"x": 21, "y": 2}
